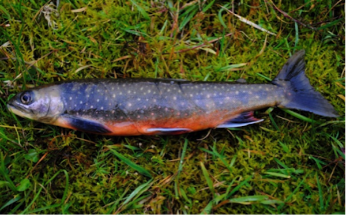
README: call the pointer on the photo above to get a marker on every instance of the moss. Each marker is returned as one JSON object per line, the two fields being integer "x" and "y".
{"x": 289, "y": 166}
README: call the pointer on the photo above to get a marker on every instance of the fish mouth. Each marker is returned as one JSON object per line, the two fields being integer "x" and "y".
{"x": 10, "y": 107}
{"x": 18, "y": 110}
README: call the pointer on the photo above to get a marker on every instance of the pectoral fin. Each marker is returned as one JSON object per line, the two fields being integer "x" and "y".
{"x": 86, "y": 125}
{"x": 246, "y": 118}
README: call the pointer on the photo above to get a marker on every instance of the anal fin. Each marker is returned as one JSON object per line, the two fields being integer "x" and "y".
{"x": 86, "y": 125}
{"x": 246, "y": 118}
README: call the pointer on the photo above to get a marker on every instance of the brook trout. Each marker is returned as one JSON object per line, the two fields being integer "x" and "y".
{"x": 154, "y": 106}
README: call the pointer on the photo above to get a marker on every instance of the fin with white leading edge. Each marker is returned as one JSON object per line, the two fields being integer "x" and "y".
{"x": 246, "y": 118}
{"x": 169, "y": 130}
{"x": 87, "y": 125}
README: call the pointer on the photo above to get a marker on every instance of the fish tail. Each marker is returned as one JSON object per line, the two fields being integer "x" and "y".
{"x": 299, "y": 94}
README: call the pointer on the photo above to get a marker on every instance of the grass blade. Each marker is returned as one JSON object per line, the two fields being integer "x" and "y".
{"x": 207, "y": 178}
{"x": 139, "y": 190}
{"x": 246, "y": 199}
{"x": 190, "y": 13}
{"x": 320, "y": 193}
{"x": 277, "y": 174}
{"x": 220, "y": 15}
{"x": 238, "y": 187}
{"x": 297, "y": 115}
{"x": 134, "y": 166}
{"x": 3, "y": 172}
{"x": 54, "y": 205}
{"x": 208, "y": 208}
{"x": 330, "y": 24}
{"x": 182, "y": 156}
{"x": 10, "y": 202}
{"x": 5, "y": 12}
{"x": 208, "y": 6}
{"x": 265, "y": 77}
{"x": 294, "y": 192}
{"x": 141, "y": 10}
{"x": 297, "y": 36}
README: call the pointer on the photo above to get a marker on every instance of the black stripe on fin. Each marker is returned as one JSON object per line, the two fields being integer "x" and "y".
{"x": 302, "y": 95}
{"x": 246, "y": 118}
{"x": 86, "y": 125}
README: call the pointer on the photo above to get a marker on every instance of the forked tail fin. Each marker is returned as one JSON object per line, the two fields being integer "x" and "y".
{"x": 299, "y": 93}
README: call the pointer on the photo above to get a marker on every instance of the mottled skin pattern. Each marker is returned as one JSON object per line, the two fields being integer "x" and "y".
{"x": 131, "y": 106}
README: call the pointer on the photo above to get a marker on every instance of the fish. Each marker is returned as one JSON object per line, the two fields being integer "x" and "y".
{"x": 130, "y": 107}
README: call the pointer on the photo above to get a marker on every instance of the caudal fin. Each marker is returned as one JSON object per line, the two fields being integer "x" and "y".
{"x": 299, "y": 93}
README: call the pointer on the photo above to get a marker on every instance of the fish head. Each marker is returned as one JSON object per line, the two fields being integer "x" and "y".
{"x": 41, "y": 104}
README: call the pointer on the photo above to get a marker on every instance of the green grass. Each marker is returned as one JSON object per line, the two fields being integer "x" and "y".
{"x": 293, "y": 162}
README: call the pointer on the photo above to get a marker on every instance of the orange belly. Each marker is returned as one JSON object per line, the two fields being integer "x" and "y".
{"x": 193, "y": 123}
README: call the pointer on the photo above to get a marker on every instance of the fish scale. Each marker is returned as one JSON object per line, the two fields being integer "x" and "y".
{"x": 158, "y": 106}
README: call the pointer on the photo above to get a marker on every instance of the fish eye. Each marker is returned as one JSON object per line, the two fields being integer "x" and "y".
{"x": 25, "y": 98}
